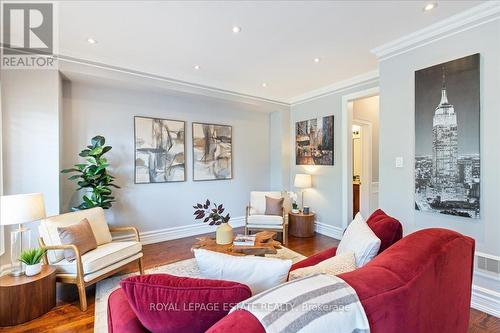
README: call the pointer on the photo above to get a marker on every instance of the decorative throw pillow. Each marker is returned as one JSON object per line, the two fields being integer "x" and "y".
{"x": 79, "y": 234}
{"x": 387, "y": 228}
{"x": 166, "y": 303}
{"x": 342, "y": 263}
{"x": 259, "y": 273}
{"x": 361, "y": 240}
{"x": 274, "y": 206}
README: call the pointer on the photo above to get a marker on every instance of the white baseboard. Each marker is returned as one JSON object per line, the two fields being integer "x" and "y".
{"x": 329, "y": 230}
{"x": 161, "y": 235}
{"x": 486, "y": 300}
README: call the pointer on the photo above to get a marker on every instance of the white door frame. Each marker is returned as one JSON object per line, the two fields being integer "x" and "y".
{"x": 347, "y": 115}
{"x": 366, "y": 165}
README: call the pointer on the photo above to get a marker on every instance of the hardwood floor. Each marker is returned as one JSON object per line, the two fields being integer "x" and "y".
{"x": 66, "y": 316}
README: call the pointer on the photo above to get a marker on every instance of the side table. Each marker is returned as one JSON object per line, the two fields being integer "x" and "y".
{"x": 301, "y": 225}
{"x": 23, "y": 298}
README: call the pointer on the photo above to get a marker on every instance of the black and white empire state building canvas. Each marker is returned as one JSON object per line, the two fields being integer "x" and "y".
{"x": 447, "y": 162}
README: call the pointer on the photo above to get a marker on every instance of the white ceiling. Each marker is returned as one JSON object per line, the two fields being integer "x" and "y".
{"x": 277, "y": 44}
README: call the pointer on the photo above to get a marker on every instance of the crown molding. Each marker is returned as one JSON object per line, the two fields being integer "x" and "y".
{"x": 358, "y": 80}
{"x": 75, "y": 65}
{"x": 471, "y": 18}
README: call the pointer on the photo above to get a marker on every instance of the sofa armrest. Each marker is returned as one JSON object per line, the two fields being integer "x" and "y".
{"x": 121, "y": 317}
{"x": 247, "y": 213}
{"x": 78, "y": 256}
{"x": 315, "y": 259}
{"x": 127, "y": 229}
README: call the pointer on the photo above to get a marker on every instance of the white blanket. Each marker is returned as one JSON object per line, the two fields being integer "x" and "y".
{"x": 316, "y": 304}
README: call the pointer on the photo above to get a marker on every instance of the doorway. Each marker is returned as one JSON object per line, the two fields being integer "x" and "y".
{"x": 357, "y": 163}
{"x": 365, "y": 155}
{"x": 360, "y": 126}
{"x": 362, "y": 135}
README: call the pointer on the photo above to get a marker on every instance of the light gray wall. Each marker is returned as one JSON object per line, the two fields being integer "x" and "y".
{"x": 367, "y": 109}
{"x": 325, "y": 198}
{"x": 91, "y": 109}
{"x": 397, "y": 133}
{"x": 30, "y": 138}
{"x": 279, "y": 150}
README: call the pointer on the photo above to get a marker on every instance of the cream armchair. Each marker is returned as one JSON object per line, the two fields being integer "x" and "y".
{"x": 256, "y": 220}
{"x": 108, "y": 258}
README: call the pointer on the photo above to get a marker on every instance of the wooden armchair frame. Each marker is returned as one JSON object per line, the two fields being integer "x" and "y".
{"x": 283, "y": 230}
{"x": 78, "y": 278}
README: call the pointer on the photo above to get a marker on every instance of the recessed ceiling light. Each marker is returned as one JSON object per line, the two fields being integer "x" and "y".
{"x": 264, "y": 84}
{"x": 430, "y": 6}
{"x": 236, "y": 29}
{"x": 91, "y": 40}
{"x": 316, "y": 60}
{"x": 196, "y": 67}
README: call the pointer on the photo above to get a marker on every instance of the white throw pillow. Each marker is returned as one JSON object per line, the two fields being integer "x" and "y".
{"x": 342, "y": 263}
{"x": 258, "y": 273}
{"x": 361, "y": 240}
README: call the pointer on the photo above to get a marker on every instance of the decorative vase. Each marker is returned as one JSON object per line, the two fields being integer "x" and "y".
{"x": 224, "y": 234}
{"x": 33, "y": 269}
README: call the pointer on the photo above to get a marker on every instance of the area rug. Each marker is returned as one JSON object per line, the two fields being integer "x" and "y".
{"x": 186, "y": 267}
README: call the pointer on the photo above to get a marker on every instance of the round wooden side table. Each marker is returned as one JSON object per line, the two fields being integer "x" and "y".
{"x": 301, "y": 225}
{"x": 23, "y": 298}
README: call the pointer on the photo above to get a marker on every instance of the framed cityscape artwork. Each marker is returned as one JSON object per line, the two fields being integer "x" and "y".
{"x": 212, "y": 152}
{"x": 159, "y": 150}
{"x": 314, "y": 141}
{"x": 447, "y": 160}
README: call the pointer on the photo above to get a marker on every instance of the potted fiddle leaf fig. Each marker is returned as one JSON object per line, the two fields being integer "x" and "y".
{"x": 93, "y": 176}
{"x": 32, "y": 258}
{"x": 213, "y": 216}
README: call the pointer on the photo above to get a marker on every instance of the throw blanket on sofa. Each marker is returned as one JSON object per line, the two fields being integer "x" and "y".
{"x": 316, "y": 303}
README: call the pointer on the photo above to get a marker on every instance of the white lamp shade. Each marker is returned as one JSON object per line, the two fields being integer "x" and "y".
{"x": 302, "y": 181}
{"x": 21, "y": 208}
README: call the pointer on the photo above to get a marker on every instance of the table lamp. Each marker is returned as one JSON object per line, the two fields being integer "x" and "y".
{"x": 302, "y": 181}
{"x": 19, "y": 209}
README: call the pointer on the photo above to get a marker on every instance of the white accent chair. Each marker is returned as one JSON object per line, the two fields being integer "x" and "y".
{"x": 256, "y": 220}
{"x": 107, "y": 259}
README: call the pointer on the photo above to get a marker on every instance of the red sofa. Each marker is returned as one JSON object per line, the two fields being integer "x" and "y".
{"x": 420, "y": 284}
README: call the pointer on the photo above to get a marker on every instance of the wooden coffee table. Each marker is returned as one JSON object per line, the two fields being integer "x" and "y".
{"x": 264, "y": 244}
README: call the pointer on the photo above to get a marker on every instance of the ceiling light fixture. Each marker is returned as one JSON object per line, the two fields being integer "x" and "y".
{"x": 196, "y": 67}
{"x": 430, "y": 6}
{"x": 91, "y": 40}
{"x": 264, "y": 84}
{"x": 316, "y": 60}
{"x": 236, "y": 29}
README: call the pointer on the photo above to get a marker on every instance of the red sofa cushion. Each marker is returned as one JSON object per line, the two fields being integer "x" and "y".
{"x": 315, "y": 259}
{"x": 387, "y": 228}
{"x": 121, "y": 317}
{"x": 166, "y": 303}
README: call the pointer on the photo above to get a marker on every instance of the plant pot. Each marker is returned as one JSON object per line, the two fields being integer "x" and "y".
{"x": 224, "y": 234}
{"x": 33, "y": 269}
{"x": 295, "y": 210}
